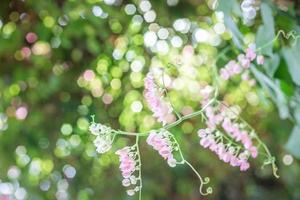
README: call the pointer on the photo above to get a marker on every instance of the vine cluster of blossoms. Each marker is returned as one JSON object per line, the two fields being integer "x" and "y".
{"x": 130, "y": 167}
{"x": 160, "y": 108}
{"x": 241, "y": 65}
{"x": 162, "y": 141}
{"x": 226, "y": 134}
{"x": 230, "y": 140}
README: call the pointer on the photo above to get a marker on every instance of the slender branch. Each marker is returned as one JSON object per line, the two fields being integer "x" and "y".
{"x": 194, "y": 114}
{"x": 180, "y": 152}
{"x": 202, "y": 181}
{"x": 222, "y": 54}
{"x": 119, "y": 132}
{"x": 167, "y": 94}
{"x": 184, "y": 161}
{"x": 189, "y": 116}
{"x": 290, "y": 34}
{"x": 140, "y": 166}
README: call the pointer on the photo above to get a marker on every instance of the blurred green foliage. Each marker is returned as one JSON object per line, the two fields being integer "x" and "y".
{"x": 63, "y": 60}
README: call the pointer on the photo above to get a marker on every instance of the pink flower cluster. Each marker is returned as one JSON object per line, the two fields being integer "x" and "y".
{"x": 160, "y": 108}
{"x": 235, "y": 67}
{"x": 225, "y": 146}
{"x": 240, "y": 135}
{"x": 128, "y": 166}
{"x": 128, "y": 163}
{"x": 161, "y": 142}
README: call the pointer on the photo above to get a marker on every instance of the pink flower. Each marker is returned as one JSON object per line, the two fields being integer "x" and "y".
{"x": 224, "y": 74}
{"x": 236, "y": 69}
{"x": 160, "y": 108}
{"x": 161, "y": 142}
{"x": 213, "y": 146}
{"x": 205, "y": 142}
{"x": 206, "y": 92}
{"x": 233, "y": 68}
{"x": 253, "y": 151}
{"x": 260, "y": 59}
{"x": 244, "y": 165}
{"x": 215, "y": 139}
{"x": 227, "y": 125}
{"x": 234, "y": 161}
{"x": 202, "y": 133}
{"x": 244, "y": 61}
{"x": 127, "y": 162}
{"x": 226, "y": 157}
{"x": 165, "y": 151}
{"x": 250, "y": 54}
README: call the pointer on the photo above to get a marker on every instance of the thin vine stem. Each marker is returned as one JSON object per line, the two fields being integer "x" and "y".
{"x": 120, "y": 132}
{"x": 189, "y": 116}
{"x": 179, "y": 150}
{"x": 167, "y": 94}
{"x": 140, "y": 166}
{"x": 203, "y": 182}
{"x": 288, "y": 35}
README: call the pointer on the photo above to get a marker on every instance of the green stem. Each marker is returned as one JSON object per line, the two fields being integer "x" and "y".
{"x": 180, "y": 152}
{"x": 119, "y": 132}
{"x": 202, "y": 181}
{"x": 189, "y": 116}
{"x": 167, "y": 94}
{"x": 140, "y": 166}
{"x": 291, "y": 34}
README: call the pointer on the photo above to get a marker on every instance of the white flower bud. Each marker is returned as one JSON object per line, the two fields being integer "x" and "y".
{"x": 102, "y": 145}
{"x": 249, "y": 9}
{"x": 95, "y": 129}
{"x": 130, "y": 192}
{"x": 172, "y": 162}
{"x": 126, "y": 182}
{"x": 250, "y": 14}
{"x": 133, "y": 180}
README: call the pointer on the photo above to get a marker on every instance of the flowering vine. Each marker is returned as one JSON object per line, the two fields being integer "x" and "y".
{"x": 227, "y": 134}
{"x": 160, "y": 108}
{"x": 130, "y": 166}
{"x": 231, "y": 138}
{"x": 241, "y": 65}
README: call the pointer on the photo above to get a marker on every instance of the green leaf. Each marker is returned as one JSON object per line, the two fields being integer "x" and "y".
{"x": 227, "y": 6}
{"x": 266, "y": 32}
{"x": 286, "y": 88}
{"x": 292, "y": 58}
{"x": 272, "y": 64}
{"x": 293, "y": 143}
{"x": 273, "y": 89}
{"x": 297, "y": 113}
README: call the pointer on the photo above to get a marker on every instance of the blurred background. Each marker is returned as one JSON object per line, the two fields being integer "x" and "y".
{"x": 63, "y": 60}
